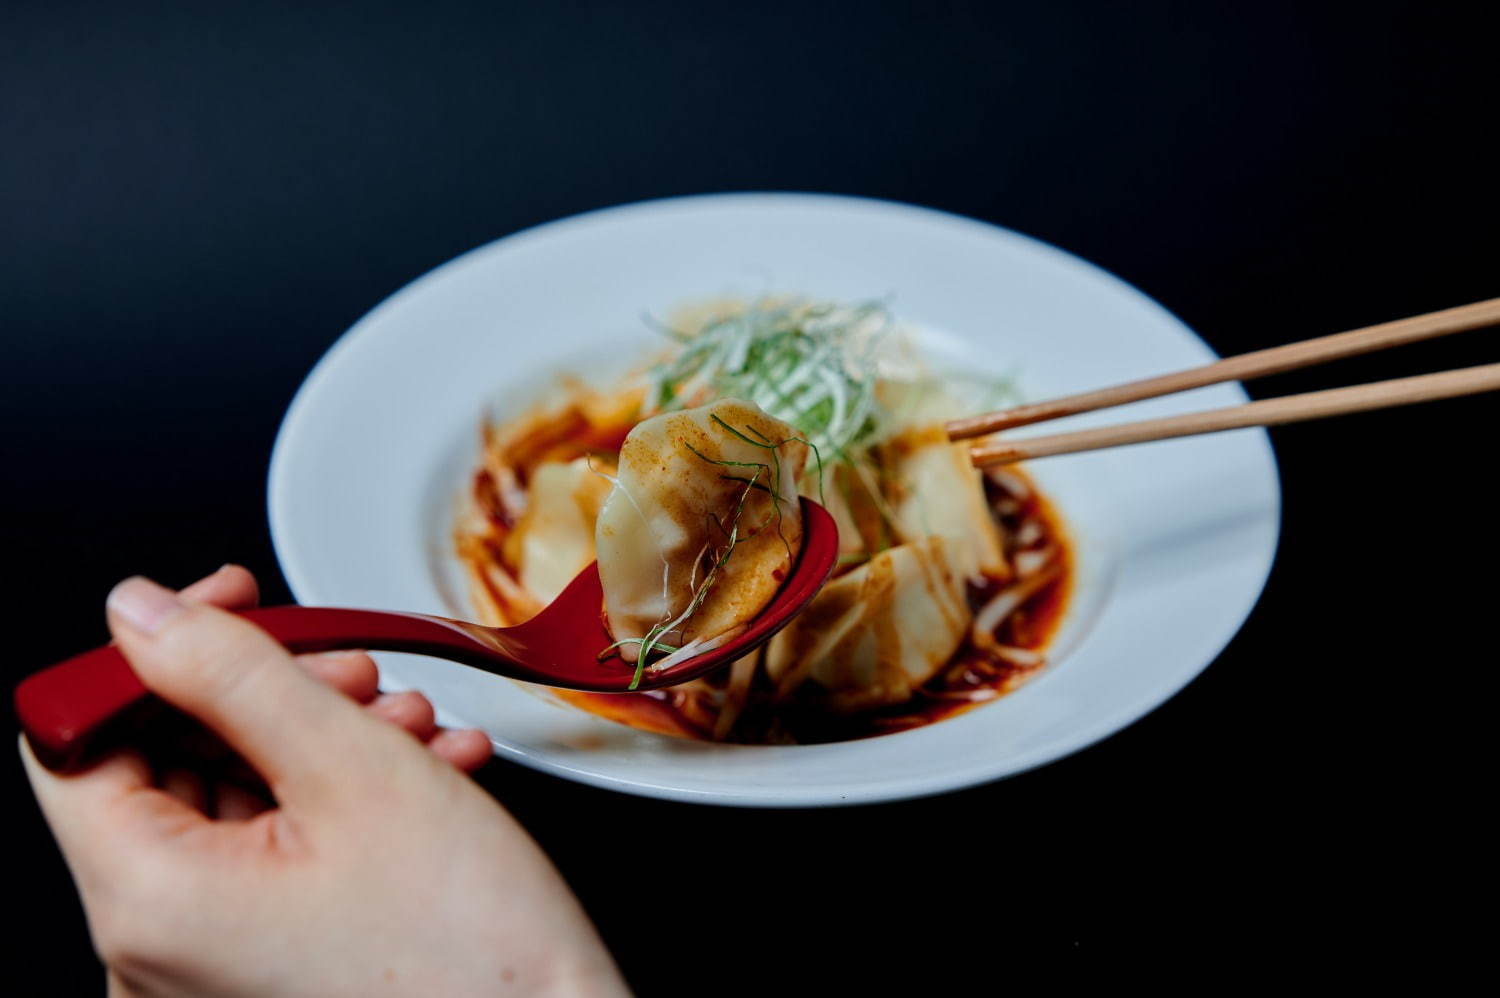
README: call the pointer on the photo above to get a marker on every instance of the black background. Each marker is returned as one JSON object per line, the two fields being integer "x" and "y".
{"x": 194, "y": 203}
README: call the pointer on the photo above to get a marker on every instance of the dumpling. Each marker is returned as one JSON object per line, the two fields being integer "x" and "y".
{"x": 935, "y": 491}
{"x": 875, "y": 634}
{"x": 688, "y": 482}
{"x": 851, "y": 496}
{"x": 554, "y": 539}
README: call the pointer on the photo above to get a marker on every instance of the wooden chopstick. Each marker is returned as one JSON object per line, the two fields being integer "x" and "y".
{"x": 1242, "y": 368}
{"x": 1268, "y": 412}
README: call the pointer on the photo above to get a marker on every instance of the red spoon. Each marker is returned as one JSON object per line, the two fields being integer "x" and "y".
{"x": 65, "y": 709}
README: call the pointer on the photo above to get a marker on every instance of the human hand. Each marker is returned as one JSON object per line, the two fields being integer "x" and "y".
{"x": 380, "y": 868}
{"x": 195, "y": 765}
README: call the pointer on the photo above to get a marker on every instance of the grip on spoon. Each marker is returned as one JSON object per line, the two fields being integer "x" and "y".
{"x": 66, "y": 708}
{"x": 79, "y": 707}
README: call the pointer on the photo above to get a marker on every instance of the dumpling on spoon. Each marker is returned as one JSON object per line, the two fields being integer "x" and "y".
{"x": 701, "y": 527}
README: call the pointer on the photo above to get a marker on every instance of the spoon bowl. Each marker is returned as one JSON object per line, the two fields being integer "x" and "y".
{"x": 68, "y": 709}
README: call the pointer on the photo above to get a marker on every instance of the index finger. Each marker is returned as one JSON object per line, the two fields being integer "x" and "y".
{"x": 234, "y": 677}
{"x": 232, "y": 587}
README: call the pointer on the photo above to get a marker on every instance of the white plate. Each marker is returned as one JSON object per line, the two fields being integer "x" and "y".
{"x": 1175, "y": 539}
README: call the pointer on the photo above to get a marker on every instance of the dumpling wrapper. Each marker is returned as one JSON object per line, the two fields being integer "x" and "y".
{"x": 666, "y": 523}
{"x": 873, "y": 635}
{"x": 936, "y": 491}
{"x": 554, "y": 539}
{"x": 856, "y": 510}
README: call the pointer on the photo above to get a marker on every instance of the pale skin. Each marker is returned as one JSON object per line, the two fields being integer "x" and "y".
{"x": 372, "y": 866}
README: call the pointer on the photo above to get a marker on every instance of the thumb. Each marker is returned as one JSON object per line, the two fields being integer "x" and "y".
{"x": 238, "y": 680}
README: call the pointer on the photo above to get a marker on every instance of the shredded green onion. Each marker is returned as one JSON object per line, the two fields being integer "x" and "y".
{"x": 810, "y": 365}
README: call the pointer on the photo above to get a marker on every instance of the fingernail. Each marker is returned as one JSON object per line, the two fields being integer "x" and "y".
{"x": 143, "y": 604}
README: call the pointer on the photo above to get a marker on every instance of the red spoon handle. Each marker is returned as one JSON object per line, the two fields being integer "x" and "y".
{"x": 67, "y": 710}
{"x": 63, "y": 709}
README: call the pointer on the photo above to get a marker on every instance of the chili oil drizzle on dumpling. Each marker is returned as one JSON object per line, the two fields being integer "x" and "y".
{"x": 701, "y": 527}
